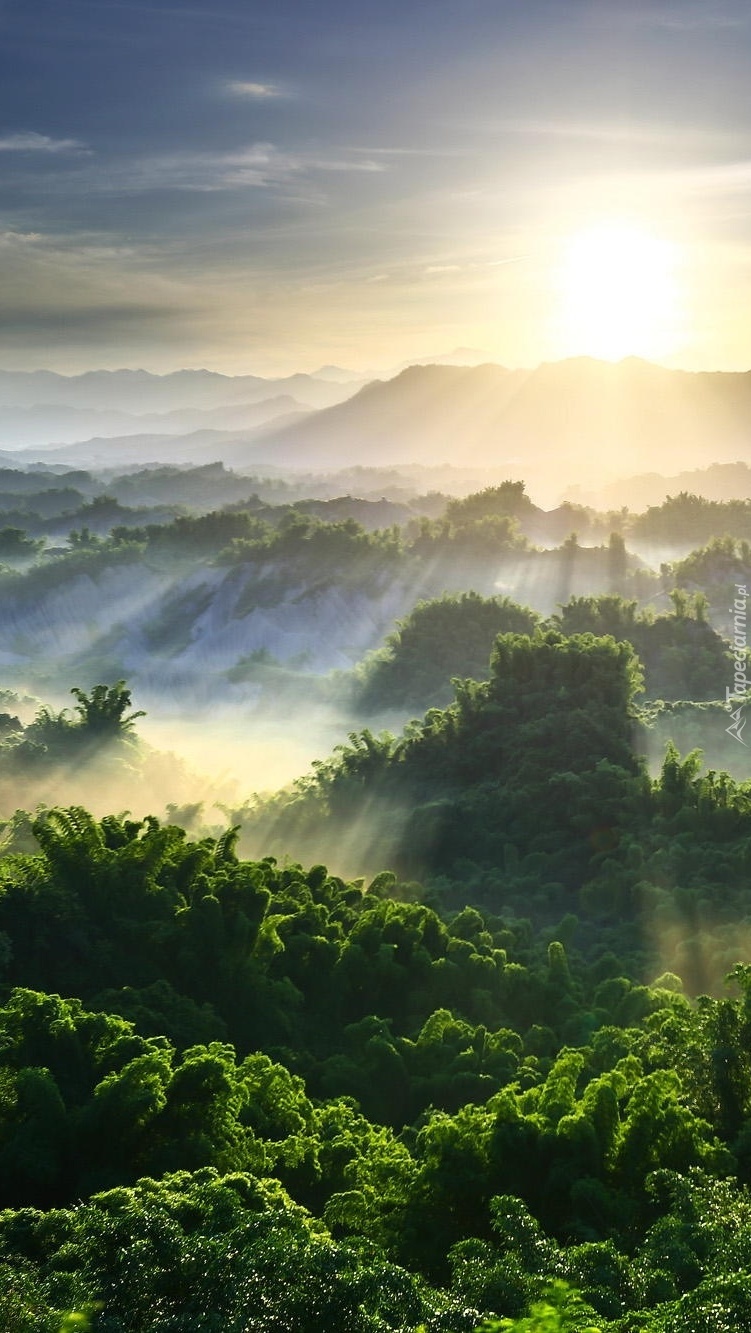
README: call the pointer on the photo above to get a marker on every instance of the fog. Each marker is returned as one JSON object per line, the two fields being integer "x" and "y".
{"x": 41, "y": 411}
{"x": 248, "y": 659}
{"x": 578, "y": 423}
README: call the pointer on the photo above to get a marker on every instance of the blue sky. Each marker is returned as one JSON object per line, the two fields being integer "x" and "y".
{"x": 268, "y": 186}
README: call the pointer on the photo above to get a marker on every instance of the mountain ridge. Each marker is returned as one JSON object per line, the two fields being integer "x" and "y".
{"x": 577, "y": 421}
{"x": 578, "y": 416}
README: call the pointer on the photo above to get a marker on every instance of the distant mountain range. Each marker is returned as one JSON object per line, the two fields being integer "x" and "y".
{"x": 580, "y": 421}
{"x": 39, "y": 408}
{"x": 29, "y": 427}
{"x": 570, "y": 418}
{"x": 140, "y": 391}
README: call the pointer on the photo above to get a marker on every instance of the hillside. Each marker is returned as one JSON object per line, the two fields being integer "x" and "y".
{"x": 572, "y": 420}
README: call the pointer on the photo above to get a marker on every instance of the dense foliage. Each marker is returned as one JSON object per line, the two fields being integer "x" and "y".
{"x": 446, "y": 637}
{"x": 527, "y": 1116}
{"x": 682, "y": 655}
{"x": 290, "y": 1100}
{"x": 503, "y": 1079}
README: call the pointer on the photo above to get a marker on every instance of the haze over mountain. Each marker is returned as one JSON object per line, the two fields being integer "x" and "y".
{"x": 565, "y": 421}
{"x": 27, "y": 427}
{"x": 142, "y": 391}
{"x": 580, "y": 422}
{"x": 720, "y": 481}
{"x": 41, "y": 408}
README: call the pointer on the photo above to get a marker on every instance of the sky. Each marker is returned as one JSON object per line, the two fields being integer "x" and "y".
{"x": 264, "y": 186}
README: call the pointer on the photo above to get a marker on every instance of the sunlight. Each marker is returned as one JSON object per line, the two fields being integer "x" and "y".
{"x": 618, "y": 294}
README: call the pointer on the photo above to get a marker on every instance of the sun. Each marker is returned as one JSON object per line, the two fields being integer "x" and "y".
{"x": 618, "y": 293}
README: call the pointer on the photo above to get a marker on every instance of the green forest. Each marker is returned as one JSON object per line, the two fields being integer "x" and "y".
{"x": 498, "y": 1075}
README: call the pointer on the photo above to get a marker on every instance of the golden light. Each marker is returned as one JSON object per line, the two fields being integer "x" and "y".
{"x": 618, "y": 294}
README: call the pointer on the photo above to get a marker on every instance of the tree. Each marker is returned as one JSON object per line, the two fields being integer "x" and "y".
{"x": 103, "y": 713}
{"x": 15, "y": 545}
{"x": 561, "y": 1311}
{"x": 617, "y": 561}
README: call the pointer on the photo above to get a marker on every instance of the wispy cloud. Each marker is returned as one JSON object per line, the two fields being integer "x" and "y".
{"x": 626, "y": 132}
{"x": 83, "y": 320}
{"x": 28, "y": 141}
{"x": 344, "y": 164}
{"x": 704, "y": 180}
{"x": 9, "y": 238}
{"x": 723, "y": 178}
{"x": 242, "y": 88}
{"x": 80, "y": 289}
{"x": 257, "y": 166}
{"x": 425, "y": 151}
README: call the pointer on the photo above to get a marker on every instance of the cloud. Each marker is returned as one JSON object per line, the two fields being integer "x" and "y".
{"x": 410, "y": 152}
{"x": 704, "y": 181}
{"x": 240, "y": 88}
{"x": 28, "y": 141}
{"x": 77, "y": 289}
{"x": 344, "y": 164}
{"x": 259, "y": 165}
{"x": 721, "y": 178}
{"x": 82, "y": 323}
{"x": 629, "y": 133}
{"x": 8, "y": 238}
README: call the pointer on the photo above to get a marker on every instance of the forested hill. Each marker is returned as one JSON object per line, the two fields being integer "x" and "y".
{"x": 503, "y": 1066}
{"x": 173, "y": 601}
{"x": 472, "y": 781}
{"x": 528, "y": 791}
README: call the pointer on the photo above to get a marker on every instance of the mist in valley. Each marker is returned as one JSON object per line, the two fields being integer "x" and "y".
{"x": 281, "y": 628}
{"x": 262, "y": 612}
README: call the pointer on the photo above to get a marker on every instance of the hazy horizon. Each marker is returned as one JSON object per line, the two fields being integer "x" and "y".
{"x": 357, "y": 375}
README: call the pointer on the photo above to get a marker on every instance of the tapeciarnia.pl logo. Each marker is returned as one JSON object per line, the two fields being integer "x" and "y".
{"x": 739, "y": 689}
